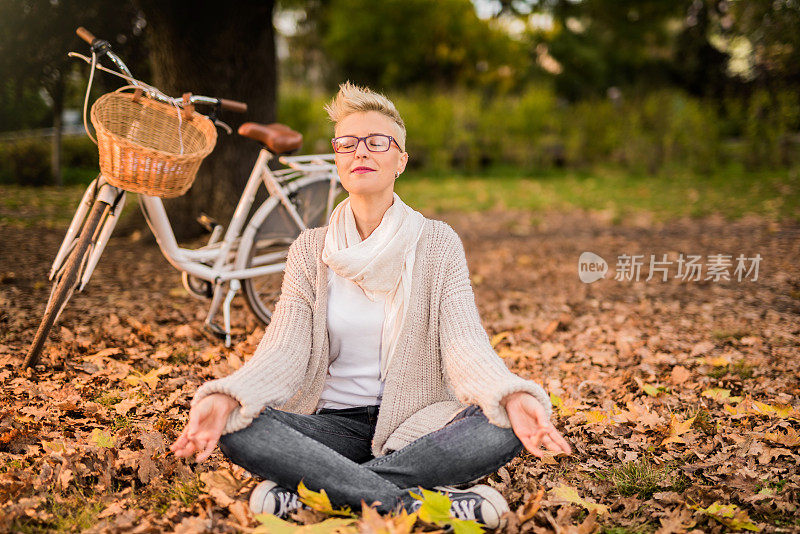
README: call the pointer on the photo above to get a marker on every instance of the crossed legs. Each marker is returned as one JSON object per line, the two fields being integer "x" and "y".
{"x": 332, "y": 452}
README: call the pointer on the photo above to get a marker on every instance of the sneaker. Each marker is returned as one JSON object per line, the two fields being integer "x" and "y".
{"x": 269, "y": 498}
{"x": 480, "y": 503}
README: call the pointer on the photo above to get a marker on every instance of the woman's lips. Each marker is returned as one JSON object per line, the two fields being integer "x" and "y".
{"x": 362, "y": 170}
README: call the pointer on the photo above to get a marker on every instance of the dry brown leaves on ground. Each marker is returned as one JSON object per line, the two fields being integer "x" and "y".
{"x": 680, "y": 398}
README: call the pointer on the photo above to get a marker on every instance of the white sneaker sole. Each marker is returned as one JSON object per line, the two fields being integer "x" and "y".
{"x": 261, "y": 499}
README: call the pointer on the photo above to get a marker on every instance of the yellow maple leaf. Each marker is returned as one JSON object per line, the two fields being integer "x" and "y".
{"x": 54, "y": 446}
{"x": 729, "y": 515}
{"x": 271, "y": 524}
{"x": 782, "y": 411}
{"x": 715, "y": 361}
{"x": 652, "y": 390}
{"x": 720, "y": 395}
{"x": 497, "y": 338}
{"x": 151, "y": 378}
{"x": 565, "y": 408}
{"x": 567, "y": 493}
{"x": 677, "y": 428}
{"x": 319, "y": 501}
{"x": 102, "y": 438}
{"x": 597, "y": 416}
{"x": 375, "y": 523}
{"x": 511, "y": 354}
{"x": 786, "y": 411}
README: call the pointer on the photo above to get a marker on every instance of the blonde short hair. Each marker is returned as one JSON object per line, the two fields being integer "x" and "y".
{"x": 353, "y": 99}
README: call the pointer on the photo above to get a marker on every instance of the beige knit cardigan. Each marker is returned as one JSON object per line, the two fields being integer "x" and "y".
{"x": 444, "y": 359}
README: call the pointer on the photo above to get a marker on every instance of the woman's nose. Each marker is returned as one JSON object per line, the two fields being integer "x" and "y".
{"x": 361, "y": 148}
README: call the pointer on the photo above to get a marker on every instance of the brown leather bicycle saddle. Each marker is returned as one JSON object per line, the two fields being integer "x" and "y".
{"x": 277, "y": 137}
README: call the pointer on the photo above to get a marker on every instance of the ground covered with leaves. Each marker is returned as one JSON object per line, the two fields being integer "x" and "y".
{"x": 679, "y": 397}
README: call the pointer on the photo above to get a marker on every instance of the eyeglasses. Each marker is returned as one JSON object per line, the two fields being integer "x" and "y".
{"x": 373, "y": 142}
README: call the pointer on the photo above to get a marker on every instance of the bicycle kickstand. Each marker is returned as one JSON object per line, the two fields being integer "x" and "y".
{"x": 216, "y": 301}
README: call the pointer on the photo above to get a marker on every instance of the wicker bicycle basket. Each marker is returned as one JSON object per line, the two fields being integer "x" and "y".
{"x": 147, "y": 147}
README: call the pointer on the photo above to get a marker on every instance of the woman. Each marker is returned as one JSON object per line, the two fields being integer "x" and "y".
{"x": 375, "y": 375}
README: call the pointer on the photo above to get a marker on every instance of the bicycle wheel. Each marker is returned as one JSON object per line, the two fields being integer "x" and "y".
{"x": 66, "y": 280}
{"x": 276, "y": 233}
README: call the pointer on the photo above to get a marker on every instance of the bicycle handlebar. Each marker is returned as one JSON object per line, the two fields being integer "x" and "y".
{"x": 233, "y": 105}
{"x": 224, "y": 103}
{"x": 85, "y": 34}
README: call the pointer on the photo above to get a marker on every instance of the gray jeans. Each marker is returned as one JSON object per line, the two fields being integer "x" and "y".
{"x": 330, "y": 450}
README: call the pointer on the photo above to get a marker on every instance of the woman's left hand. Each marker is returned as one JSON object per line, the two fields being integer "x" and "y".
{"x": 532, "y": 426}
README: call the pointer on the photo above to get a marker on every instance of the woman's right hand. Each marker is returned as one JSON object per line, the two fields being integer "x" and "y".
{"x": 207, "y": 420}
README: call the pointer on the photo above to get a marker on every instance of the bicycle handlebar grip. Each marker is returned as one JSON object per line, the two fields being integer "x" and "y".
{"x": 233, "y": 105}
{"x": 85, "y": 34}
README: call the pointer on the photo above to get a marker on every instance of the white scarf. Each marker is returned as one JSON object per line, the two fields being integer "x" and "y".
{"x": 381, "y": 264}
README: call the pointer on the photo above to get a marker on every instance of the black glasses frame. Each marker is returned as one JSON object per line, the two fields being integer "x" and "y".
{"x": 359, "y": 139}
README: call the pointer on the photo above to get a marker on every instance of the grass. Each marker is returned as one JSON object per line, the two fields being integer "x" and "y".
{"x": 108, "y": 399}
{"x": 161, "y": 498}
{"x": 641, "y": 478}
{"x": 739, "y": 368}
{"x": 73, "y": 512}
{"x": 730, "y": 335}
{"x": 616, "y": 193}
{"x": 47, "y": 206}
{"x": 774, "y": 195}
{"x": 642, "y": 529}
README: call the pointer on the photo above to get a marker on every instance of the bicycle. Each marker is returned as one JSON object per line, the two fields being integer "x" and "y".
{"x": 249, "y": 257}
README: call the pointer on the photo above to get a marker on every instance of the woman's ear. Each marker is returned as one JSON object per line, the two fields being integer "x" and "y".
{"x": 403, "y": 161}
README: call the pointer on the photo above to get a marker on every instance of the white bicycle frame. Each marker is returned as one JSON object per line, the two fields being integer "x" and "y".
{"x": 222, "y": 262}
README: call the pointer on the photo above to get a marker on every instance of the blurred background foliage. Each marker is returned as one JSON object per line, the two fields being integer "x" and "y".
{"x": 645, "y": 86}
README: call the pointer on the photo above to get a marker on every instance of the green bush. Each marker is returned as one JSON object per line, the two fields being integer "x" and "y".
{"x": 667, "y": 129}
{"x": 303, "y": 111}
{"x": 79, "y": 152}
{"x": 470, "y": 130}
{"x": 27, "y": 161}
{"x": 772, "y": 119}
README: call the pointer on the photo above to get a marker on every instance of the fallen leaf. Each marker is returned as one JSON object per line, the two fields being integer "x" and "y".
{"x": 125, "y": 405}
{"x": 565, "y": 408}
{"x": 372, "y": 522}
{"x": 676, "y": 429}
{"x": 676, "y": 522}
{"x": 563, "y": 492}
{"x": 701, "y": 348}
{"x": 241, "y": 511}
{"x": 715, "y": 361}
{"x": 652, "y": 390}
{"x": 271, "y": 524}
{"x": 729, "y": 515}
{"x": 791, "y": 438}
{"x": 112, "y": 509}
{"x": 497, "y": 338}
{"x": 151, "y": 378}
{"x": 680, "y": 375}
{"x": 102, "y": 438}
{"x": 720, "y": 395}
{"x": 319, "y": 501}
{"x": 221, "y": 479}
{"x": 596, "y": 417}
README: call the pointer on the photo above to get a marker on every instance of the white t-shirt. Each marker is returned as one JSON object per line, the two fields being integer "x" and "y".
{"x": 355, "y": 324}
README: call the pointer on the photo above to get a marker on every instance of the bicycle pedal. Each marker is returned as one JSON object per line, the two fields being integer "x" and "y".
{"x": 208, "y": 223}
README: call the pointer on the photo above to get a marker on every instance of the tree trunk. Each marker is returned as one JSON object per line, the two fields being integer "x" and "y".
{"x": 219, "y": 50}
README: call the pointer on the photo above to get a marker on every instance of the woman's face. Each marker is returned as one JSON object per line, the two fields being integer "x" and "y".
{"x": 363, "y": 172}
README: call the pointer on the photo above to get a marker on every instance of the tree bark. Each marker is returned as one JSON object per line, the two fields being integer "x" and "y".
{"x": 219, "y": 50}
